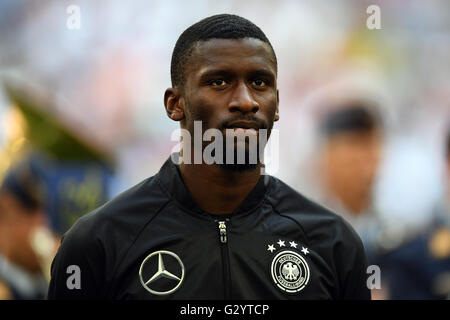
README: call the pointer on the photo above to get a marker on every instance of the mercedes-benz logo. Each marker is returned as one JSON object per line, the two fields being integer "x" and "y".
{"x": 161, "y": 272}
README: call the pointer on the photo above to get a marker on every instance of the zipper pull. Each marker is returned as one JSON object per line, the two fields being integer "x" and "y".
{"x": 223, "y": 231}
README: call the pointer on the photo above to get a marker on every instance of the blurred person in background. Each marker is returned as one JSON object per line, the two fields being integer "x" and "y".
{"x": 349, "y": 157}
{"x": 26, "y": 244}
{"x": 420, "y": 267}
{"x": 51, "y": 177}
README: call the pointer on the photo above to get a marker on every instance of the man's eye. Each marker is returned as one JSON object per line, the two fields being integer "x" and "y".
{"x": 217, "y": 83}
{"x": 259, "y": 83}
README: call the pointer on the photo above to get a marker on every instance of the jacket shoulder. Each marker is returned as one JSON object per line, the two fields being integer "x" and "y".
{"x": 311, "y": 215}
{"x": 99, "y": 240}
{"x": 330, "y": 236}
{"x": 126, "y": 212}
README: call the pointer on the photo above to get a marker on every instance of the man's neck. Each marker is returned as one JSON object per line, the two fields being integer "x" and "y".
{"x": 217, "y": 190}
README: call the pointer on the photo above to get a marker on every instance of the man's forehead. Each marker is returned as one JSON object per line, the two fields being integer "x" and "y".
{"x": 213, "y": 52}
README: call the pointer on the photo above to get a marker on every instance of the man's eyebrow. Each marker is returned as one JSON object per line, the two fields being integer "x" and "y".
{"x": 263, "y": 72}
{"x": 222, "y": 72}
{"x": 214, "y": 72}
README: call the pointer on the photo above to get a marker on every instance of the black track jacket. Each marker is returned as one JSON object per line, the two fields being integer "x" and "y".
{"x": 154, "y": 242}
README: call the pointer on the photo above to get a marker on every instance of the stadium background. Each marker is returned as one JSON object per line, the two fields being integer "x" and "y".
{"x": 98, "y": 90}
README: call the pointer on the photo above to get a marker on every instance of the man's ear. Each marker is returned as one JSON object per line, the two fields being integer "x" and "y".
{"x": 174, "y": 103}
{"x": 277, "y": 115}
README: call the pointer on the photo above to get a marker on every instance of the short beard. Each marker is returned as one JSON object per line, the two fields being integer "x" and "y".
{"x": 243, "y": 166}
{"x": 234, "y": 167}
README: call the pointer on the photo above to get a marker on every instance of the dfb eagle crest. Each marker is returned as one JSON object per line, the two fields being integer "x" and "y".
{"x": 290, "y": 272}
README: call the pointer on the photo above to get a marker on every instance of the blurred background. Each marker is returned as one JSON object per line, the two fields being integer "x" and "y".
{"x": 364, "y": 121}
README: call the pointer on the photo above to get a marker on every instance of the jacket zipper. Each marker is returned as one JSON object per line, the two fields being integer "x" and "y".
{"x": 225, "y": 258}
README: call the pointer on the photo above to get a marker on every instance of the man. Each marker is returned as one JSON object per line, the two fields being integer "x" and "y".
{"x": 351, "y": 150}
{"x": 220, "y": 230}
{"x": 26, "y": 244}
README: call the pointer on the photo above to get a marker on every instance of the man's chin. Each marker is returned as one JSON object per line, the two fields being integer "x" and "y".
{"x": 249, "y": 162}
{"x": 246, "y": 161}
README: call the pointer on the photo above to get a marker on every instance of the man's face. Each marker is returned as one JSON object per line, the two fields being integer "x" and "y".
{"x": 230, "y": 84}
{"x": 16, "y": 227}
{"x": 350, "y": 163}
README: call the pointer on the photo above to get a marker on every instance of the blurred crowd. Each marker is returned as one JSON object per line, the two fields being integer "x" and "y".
{"x": 364, "y": 122}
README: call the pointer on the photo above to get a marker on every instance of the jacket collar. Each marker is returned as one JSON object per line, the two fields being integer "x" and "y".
{"x": 170, "y": 177}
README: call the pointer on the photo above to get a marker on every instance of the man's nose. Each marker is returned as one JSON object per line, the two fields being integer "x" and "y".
{"x": 242, "y": 100}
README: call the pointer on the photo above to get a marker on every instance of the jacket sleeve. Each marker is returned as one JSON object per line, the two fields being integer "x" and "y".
{"x": 356, "y": 286}
{"x": 77, "y": 269}
{"x": 353, "y": 268}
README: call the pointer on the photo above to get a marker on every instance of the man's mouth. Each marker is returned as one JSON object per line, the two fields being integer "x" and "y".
{"x": 244, "y": 127}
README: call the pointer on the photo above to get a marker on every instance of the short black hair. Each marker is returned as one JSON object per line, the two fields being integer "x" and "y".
{"x": 356, "y": 116}
{"x": 221, "y": 26}
{"x": 25, "y": 183}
